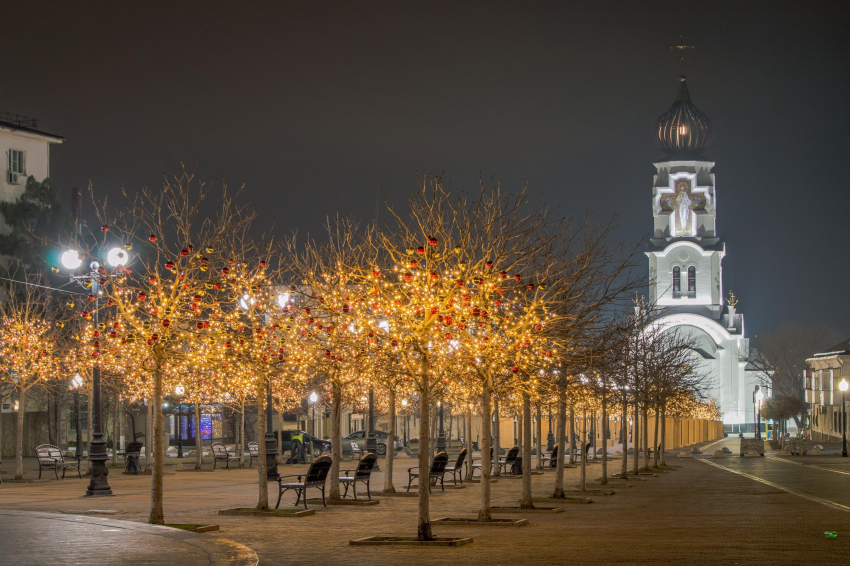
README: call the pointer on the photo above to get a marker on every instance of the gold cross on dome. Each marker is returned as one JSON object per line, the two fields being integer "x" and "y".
{"x": 681, "y": 49}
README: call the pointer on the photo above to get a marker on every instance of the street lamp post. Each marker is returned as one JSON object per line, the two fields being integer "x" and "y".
{"x": 71, "y": 260}
{"x": 550, "y": 438}
{"x": 759, "y": 398}
{"x": 843, "y": 387}
{"x": 371, "y": 439}
{"x": 271, "y": 439}
{"x": 441, "y": 435}
{"x": 76, "y": 383}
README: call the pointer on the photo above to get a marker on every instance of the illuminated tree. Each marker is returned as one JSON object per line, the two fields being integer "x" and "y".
{"x": 178, "y": 287}
{"x": 28, "y": 354}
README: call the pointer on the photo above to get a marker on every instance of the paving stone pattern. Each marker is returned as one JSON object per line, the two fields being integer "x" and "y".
{"x": 698, "y": 514}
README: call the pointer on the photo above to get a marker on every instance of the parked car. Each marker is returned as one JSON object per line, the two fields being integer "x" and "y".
{"x": 360, "y": 438}
{"x": 319, "y": 445}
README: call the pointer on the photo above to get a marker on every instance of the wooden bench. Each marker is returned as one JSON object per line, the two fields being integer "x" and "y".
{"x": 509, "y": 462}
{"x": 363, "y": 473}
{"x": 253, "y": 453}
{"x": 220, "y": 452}
{"x": 316, "y": 476}
{"x": 435, "y": 472}
{"x": 552, "y": 458}
{"x": 355, "y": 449}
{"x": 457, "y": 469}
{"x": 478, "y": 466}
{"x": 51, "y": 457}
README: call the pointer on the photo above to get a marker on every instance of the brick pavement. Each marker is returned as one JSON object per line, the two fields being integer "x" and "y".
{"x": 31, "y": 538}
{"x": 698, "y": 514}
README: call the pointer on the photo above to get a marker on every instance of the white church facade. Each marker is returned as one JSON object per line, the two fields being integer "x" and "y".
{"x": 685, "y": 260}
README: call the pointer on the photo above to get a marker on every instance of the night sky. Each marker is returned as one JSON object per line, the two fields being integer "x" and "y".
{"x": 320, "y": 106}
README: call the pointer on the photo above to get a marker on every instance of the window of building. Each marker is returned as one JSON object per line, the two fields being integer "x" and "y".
{"x": 16, "y": 165}
{"x": 16, "y": 162}
{"x": 677, "y": 281}
{"x": 692, "y": 280}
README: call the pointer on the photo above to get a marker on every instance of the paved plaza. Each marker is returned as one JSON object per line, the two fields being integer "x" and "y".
{"x": 771, "y": 510}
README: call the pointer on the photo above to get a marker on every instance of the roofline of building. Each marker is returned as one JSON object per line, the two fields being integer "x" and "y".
{"x": 17, "y": 128}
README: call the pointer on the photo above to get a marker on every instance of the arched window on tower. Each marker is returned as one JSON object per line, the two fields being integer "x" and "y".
{"x": 677, "y": 281}
{"x": 692, "y": 281}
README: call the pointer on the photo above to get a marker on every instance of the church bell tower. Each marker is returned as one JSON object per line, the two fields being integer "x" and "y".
{"x": 685, "y": 253}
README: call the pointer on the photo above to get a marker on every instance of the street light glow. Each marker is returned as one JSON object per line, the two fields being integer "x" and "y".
{"x": 759, "y": 397}
{"x": 76, "y": 381}
{"x": 246, "y": 302}
{"x": 117, "y": 257}
{"x": 71, "y": 259}
{"x": 313, "y": 397}
{"x": 283, "y": 299}
{"x": 179, "y": 390}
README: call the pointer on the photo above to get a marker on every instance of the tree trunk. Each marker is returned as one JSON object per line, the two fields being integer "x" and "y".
{"x": 562, "y": 447}
{"x": 149, "y": 437}
{"x": 572, "y": 434}
{"x": 655, "y": 442}
{"x": 388, "y": 473}
{"x": 242, "y": 435}
{"x": 645, "y": 437}
{"x": 19, "y": 436}
{"x": 115, "y": 429}
{"x": 51, "y": 421}
{"x": 432, "y": 435}
{"x": 497, "y": 435}
{"x": 624, "y": 427}
{"x": 157, "y": 516}
{"x": 280, "y": 435}
{"x": 262, "y": 470}
{"x": 199, "y": 444}
{"x": 336, "y": 439}
{"x": 423, "y": 529}
{"x": 583, "y": 451}
{"x": 539, "y": 438}
{"x": 486, "y": 464}
{"x": 469, "y": 440}
{"x": 663, "y": 433}
{"x": 519, "y": 419}
{"x": 525, "y": 501}
{"x": 604, "y": 433}
{"x": 636, "y": 437}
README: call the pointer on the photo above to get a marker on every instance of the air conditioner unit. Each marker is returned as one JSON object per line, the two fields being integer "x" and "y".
{"x": 13, "y": 178}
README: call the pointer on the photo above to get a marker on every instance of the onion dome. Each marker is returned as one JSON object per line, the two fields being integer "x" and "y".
{"x": 683, "y": 130}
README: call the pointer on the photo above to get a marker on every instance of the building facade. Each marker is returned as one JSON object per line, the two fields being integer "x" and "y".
{"x": 685, "y": 257}
{"x": 26, "y": 151}
{"x": 823, "y": 376}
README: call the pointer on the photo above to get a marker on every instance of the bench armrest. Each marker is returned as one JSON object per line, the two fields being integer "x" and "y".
{"x": 291, "y": 476}
{"x": 413, "y": 468}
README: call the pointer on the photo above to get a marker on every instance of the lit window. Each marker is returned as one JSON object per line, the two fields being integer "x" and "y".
{"x": 692, "y": 280}
{"x": 677, "y": 280}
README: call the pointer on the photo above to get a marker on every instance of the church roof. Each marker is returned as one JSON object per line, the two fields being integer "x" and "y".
{"x": 840, "y": 349}
{"x": 683, "y": 130}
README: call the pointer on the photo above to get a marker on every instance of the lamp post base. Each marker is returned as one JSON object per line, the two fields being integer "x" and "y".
{"x": 550, "y": 440}
{"x": 98, "y": 482}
